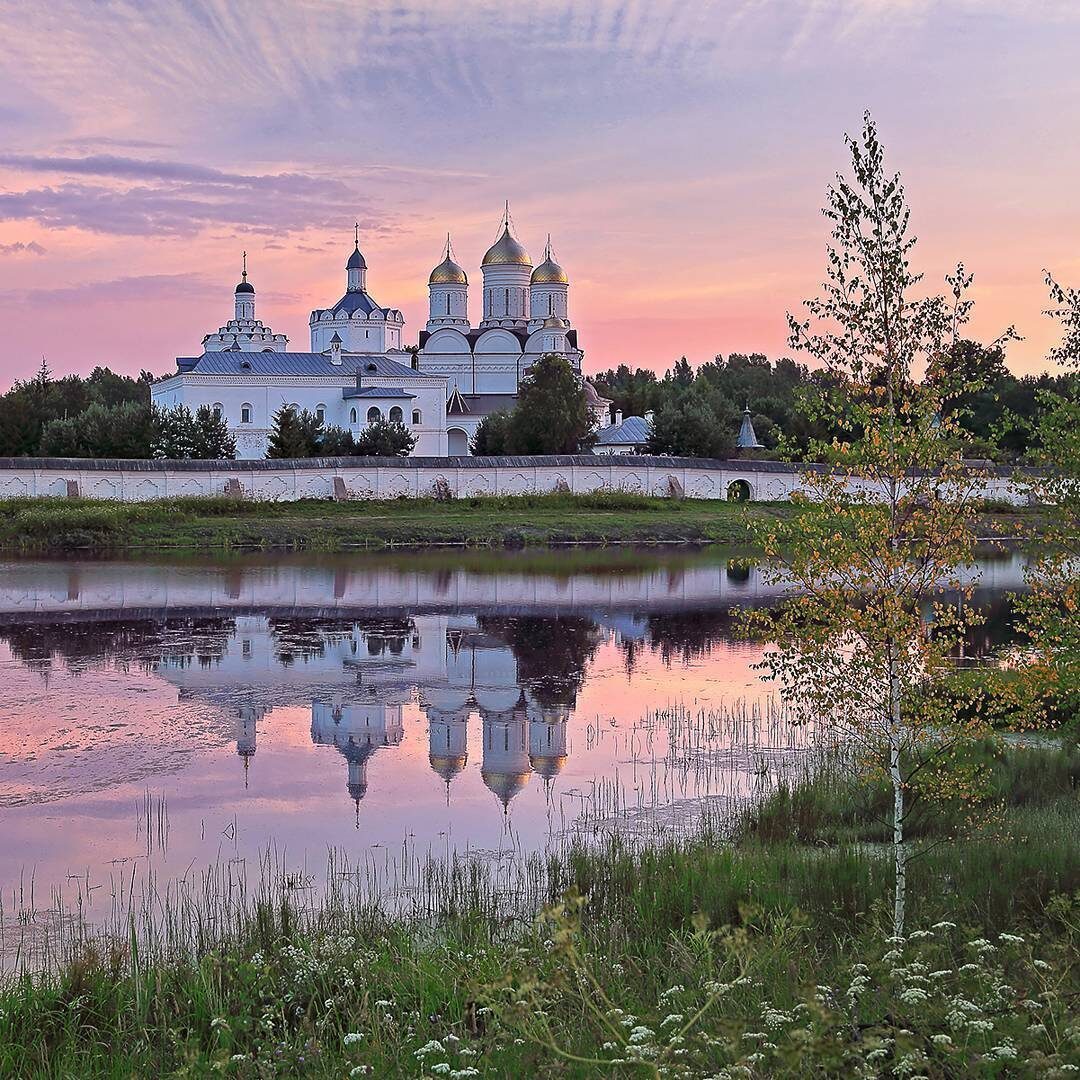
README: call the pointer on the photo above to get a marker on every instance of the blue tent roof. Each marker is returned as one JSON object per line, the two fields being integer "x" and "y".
{"x": 633, "y": 431}
{"x": 294, "y": 363}
{"x": 353, "y": 301}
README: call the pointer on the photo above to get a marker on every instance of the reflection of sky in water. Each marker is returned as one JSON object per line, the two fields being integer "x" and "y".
{"x": 352, "y": 705}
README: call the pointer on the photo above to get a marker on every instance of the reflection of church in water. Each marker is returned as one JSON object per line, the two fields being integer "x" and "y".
{"x": 459, "y": 669}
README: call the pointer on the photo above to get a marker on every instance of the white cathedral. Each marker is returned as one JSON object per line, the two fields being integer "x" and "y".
{"x": 359, "y": 371}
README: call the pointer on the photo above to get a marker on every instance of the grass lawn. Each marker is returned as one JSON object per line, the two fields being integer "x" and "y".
{"x": 508, "y": 521}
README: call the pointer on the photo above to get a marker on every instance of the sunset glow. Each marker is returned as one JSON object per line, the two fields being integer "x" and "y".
{"x": 677, "y": 153}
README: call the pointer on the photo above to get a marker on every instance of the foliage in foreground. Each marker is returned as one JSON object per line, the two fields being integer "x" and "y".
{"x": 691, "y": 958}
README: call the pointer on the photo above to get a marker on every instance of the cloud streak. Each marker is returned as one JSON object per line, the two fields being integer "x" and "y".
{"x": 18, "y": 248}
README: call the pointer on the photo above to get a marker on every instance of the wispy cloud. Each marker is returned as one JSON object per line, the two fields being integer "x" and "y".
{"x": 123, "y": 289}
{"x": 18, "y": 248}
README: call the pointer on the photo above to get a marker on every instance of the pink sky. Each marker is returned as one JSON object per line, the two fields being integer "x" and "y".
{"x": 677, "y": 153}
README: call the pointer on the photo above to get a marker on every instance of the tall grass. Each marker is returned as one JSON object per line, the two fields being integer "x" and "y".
{"x": 256, "y": 973}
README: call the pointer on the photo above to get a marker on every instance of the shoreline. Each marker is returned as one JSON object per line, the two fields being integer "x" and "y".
{"x": 554, "y": 521}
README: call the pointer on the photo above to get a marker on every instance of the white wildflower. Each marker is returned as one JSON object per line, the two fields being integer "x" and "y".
{"x": 941, "y": 1040}
{"x": 432, "y": 1047}
{"x": 1012, "y": 939}
{"x": 944, "y": 926}
{"x": 914, "y": 995}
{"x": 673, "y": 1018}
{"x": 443, "y": 1067}
{"x": 352, "y": 1037}
{"x": 641, "y": 1034}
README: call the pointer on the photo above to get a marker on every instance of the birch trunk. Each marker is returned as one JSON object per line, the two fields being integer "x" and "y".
{"x": 896, "y": 779}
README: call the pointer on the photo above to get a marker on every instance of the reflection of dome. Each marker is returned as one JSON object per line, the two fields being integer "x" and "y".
{"x": 358, "y": 790}
{"x": 547, "y": 765}
{"x": 448, "y": 273}
{"x": 504, "y": 785}
{"x": 549, "y": 272}
{"x": 506, "y": 251}
{"x": 448, "y": 765}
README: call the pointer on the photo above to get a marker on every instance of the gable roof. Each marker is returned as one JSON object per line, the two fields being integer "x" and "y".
{"x": 295, "y": 363}
{"x": 633, "y": 431}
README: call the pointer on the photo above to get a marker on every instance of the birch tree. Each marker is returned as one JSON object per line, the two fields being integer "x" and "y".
{"x": 882, "y": 542}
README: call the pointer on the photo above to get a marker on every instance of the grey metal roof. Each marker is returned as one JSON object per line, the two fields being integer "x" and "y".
{"x": 356, "y": 260}
{"x": 633, "y": 431}
{"x": 295, "y": 363}
{"x": 354, "y": 300}
{"x": 486, "y": 404}
{"x": 375, "y": 392}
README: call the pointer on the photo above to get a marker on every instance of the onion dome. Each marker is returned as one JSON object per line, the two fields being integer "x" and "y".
{"x": 448, "y": 272}
{"x": 591, "y": 394}
{"x": 547, "y": 765}
{"x": 549, "y": 272}
{"x": 356, "y": 260}
{"x": 504, "y": 785}
{"x": 506, "y": 251}
{"x": 447, "y": 765}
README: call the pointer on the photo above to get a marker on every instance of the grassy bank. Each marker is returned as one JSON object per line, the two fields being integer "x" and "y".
{"x": 509, "y": 521}
{"x": 763, "y": 958}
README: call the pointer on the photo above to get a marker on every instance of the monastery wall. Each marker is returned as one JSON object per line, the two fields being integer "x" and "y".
{"x": 389, "y": 478}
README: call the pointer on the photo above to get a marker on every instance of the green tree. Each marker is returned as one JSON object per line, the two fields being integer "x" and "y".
{"x": 336, "y": 442}
{"x": 690, "y": 425}
{"x": 385, "y": 438}
{"x": 294, "y": 434}
{"x": 492, "y": 437}
{"x": 883, "y": 534}
{"x": 552, "y": 414}
{"x": 178, "y": 434}
{"x": 1051, "y": 609}
{"x": 124, "y": 430}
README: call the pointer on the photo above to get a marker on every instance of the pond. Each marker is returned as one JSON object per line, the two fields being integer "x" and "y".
{"x": 161, "y": 716}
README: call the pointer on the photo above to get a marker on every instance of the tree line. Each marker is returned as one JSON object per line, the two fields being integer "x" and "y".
{"x": 696, "y": 412}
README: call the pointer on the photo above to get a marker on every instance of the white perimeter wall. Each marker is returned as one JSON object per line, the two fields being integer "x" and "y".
{"x": 412, "y": 477}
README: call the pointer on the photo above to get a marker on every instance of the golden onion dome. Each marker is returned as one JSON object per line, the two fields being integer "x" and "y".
{"x": 447, "y": 765}
{"x": 549, "y": 272}
{"x": 506, "y": 251}
{"x": 504, "y": 784}
{"x": 448, "y": 273}
{"x": 548, "y": 765}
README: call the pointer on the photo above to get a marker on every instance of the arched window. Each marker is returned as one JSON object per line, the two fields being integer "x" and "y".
{"x": 373, "y": 414}
{"x": 320, "y": 412}
{"x": 416, "y": 417}
{"x": 396, "y": 415}
{"x": 218, "y": 409}
{"x": 245, "y": 413}
{"x": 352, "y": 416}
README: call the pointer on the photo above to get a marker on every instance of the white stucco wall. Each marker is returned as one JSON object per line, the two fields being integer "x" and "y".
{"x": 368, "y": 478}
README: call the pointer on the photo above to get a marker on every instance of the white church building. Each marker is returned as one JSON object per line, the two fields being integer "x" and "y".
{"x": 358, "y": 370}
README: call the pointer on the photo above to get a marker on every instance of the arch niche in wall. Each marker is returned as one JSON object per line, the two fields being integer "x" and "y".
{"x": 457, "y": 442}
{"x": 739, "y": 491}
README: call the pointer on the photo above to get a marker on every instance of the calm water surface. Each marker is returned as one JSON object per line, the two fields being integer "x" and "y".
{"x": 362, "y": 703}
